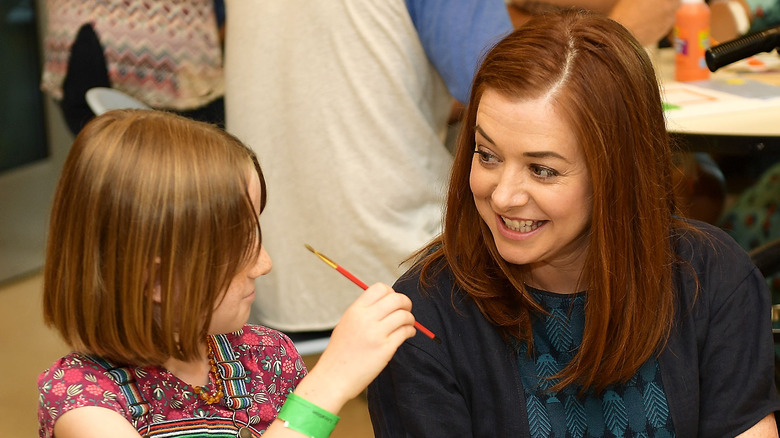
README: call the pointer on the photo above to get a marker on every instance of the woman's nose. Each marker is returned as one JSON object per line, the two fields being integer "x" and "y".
{"x": 510, "y": 191}
{"x": 263, "y": 264}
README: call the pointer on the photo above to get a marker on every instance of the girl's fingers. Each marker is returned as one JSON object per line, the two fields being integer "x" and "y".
{"x": 396, "y": 320}
{"x": 400, "y": 328}
{"x": 374, "y": 293}
{"x": 384, "y": 300}
{"x": 378, "y": 319}
{"x": 398, "y": 337}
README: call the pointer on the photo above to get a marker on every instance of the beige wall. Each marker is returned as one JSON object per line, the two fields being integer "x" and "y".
{"x": 25, "y": 194}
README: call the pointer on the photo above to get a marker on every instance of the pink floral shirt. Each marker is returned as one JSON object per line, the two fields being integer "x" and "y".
{"x": 273, "y": 368}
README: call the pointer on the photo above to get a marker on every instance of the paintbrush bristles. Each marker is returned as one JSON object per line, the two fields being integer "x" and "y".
{"x": 324, "y": 259}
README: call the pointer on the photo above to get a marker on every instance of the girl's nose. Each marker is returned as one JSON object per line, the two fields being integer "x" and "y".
{"x": 263, "y": 264}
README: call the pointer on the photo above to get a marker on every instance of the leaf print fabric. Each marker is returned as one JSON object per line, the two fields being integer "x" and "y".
{"x": 637, "y": 408}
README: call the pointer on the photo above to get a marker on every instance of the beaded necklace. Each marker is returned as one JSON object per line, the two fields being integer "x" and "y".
{"x": 219, "y": 389}
{"x": 229, "y": 377}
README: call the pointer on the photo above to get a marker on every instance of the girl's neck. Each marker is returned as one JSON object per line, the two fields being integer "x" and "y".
{"x": 194, "y": 372}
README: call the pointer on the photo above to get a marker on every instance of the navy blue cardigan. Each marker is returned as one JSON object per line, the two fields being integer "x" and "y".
{"x": 717, "y": 367}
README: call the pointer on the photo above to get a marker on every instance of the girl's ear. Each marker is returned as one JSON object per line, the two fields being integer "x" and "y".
{"x": 156, "y": 283}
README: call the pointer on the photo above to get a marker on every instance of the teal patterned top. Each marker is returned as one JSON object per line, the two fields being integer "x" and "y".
{"x": 637, "y": 408}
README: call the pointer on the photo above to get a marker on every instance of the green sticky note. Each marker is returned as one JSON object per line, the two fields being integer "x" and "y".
{"x": 669, "y": 106}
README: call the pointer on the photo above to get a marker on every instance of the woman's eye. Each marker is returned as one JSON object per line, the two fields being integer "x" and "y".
{"x": 543, "y": 172}
{"x": 486, "y": 157}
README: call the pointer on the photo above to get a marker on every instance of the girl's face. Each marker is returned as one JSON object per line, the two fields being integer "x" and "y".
{"x": 531, "y": 185}
{"x": 232, "y": 312}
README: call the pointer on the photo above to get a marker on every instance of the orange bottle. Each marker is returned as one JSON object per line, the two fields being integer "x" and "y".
{"x": 691, "y": 40}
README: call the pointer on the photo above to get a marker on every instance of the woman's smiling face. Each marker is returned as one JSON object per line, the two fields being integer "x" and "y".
{"x": 531, "y": 184}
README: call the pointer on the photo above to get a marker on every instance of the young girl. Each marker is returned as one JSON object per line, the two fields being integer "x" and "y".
{"x": 154, "y": 246}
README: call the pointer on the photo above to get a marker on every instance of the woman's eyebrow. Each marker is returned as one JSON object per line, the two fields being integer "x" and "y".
{"x": 534, "y": 154}
{"x": 545, "y": 154}
{"x": 482, "y": 133}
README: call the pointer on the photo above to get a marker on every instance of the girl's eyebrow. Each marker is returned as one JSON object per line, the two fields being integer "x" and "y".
{"x": 535, "y": 154}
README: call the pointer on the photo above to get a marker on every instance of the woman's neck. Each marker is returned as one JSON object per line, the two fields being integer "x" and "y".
{"x": 554, "y": 279}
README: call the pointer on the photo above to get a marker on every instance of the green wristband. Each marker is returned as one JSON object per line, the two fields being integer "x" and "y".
{"x": 307, "y": 418}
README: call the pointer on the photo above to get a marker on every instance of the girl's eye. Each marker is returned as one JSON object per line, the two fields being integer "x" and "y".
{"x": 543, "y": 172}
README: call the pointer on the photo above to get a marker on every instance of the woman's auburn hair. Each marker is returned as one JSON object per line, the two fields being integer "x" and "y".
{"x": 148, "y": 202}
{"x": 601, "y": 79}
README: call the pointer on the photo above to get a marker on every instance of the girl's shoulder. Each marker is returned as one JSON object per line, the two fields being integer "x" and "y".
{"x": 74, "y": 381}
{"x": 258, "y": 336}
{"x": 256, "y": 342}
{"x": 269, "y": 355}
{"x": 75, "y": 371}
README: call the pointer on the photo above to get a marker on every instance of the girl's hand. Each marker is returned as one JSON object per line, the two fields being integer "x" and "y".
{"x": 361, "y": 345}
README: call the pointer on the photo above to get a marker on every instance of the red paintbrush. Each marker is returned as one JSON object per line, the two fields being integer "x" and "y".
{"x": 363, "y": 286}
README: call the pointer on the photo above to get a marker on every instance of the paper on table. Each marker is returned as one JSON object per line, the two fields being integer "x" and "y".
{"x": 716, "y": 96}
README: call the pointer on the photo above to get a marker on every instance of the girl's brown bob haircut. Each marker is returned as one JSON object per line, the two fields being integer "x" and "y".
{"x": 151, "y": 220}
{"x": 600, "y": 78}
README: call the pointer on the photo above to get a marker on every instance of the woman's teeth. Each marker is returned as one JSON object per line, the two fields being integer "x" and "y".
{"x": 525, "y": 226}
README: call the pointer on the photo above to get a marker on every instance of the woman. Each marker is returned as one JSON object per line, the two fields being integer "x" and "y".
{"x": 154, "y": 246}
{"x": 571, "y": 299}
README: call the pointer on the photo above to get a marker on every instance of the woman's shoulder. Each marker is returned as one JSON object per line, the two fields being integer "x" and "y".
{"x": 701, "y": 243}
{"x": 431, "y": 282}
{"x": 436, "y": 294}
{"x": 712, "y": 263}
{"x": 432, "y": 272}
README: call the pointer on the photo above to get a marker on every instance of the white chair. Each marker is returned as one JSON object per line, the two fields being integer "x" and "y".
{"x": 102, "y": 99}
{"x": 308, "y": 343}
